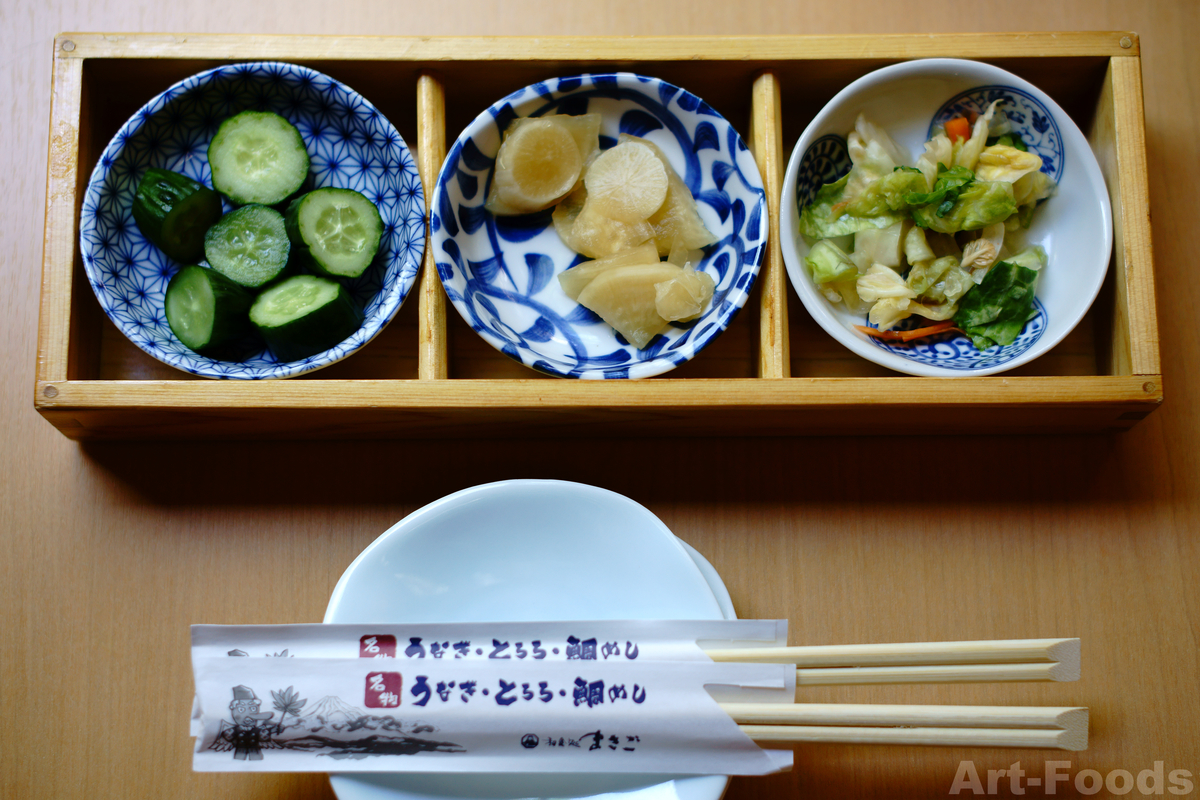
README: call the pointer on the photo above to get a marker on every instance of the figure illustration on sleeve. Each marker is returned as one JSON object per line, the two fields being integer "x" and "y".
{"x": 249, "y": 733}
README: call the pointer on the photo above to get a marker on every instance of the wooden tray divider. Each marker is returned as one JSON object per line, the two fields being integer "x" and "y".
{"x": 433, "y": 358}
{"x": 766, "y": 141}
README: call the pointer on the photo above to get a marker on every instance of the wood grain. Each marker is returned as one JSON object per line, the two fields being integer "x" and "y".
{"x": 111, "y": 549}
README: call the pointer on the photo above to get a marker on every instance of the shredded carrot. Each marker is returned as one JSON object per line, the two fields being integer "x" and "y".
{"x": 958, "y": 128}
{"x": 908, "y": 336}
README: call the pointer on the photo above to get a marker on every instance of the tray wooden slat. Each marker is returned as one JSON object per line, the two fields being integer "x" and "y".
{"x": 433, "y": 359}
{"x": 222, "y": 47}
{"x": 1136, "y": 346}
{"x": 766, "y": 135}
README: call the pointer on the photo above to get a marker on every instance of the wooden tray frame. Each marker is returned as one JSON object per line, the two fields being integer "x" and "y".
{"x": 1126, "y": 386}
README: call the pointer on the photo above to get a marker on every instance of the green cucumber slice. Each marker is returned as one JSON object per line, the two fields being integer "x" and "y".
{"x": 174, "y": 212}
{"x": 206, "y": 310}
{"x": 249, "y": 246}
{"x": 334, "y": 232}
{"x": 257, "y": 157}
{"x": 304, "y": 315}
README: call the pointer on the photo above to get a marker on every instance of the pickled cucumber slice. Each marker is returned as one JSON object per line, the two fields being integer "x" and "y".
{"x": 334, "y": 232}
{"x": 257, "y": 157}
{"x": 174, "y": 212}
{"x": 627, "y": 183}
{"x": 205, "y": 310}
{"x": 305, "y": 315}
{"x": 538, "y": 164}
{"x": 249, "y": 246}
{"x": 625, "y": 298}
{"x": 577, "y": 277}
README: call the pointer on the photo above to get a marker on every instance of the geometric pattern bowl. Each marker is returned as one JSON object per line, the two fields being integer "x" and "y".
{"x": 1074, "y": 225}
{"x": 350, "y": 145}
{"x": 499, "y": 272}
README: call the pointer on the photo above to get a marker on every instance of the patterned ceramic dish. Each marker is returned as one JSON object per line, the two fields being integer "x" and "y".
{"x": 1074, "y": 225}
{"x": 500, "y": 272}
{"x": 350, "y": 144}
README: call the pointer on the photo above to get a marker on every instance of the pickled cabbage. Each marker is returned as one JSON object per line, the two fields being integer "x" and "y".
{"x": 963, "y": 196}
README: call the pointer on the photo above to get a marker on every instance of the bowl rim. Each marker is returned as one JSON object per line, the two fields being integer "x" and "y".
{"x": 661, "y": 362}
{"x": 816, "y": 305}
{"x": 203, "y": 366}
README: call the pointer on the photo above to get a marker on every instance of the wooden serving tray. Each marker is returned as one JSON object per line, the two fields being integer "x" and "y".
{"x": 773, "y": 372}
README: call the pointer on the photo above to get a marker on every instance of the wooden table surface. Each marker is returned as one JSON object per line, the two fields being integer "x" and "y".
{"x": 110, "y": 551}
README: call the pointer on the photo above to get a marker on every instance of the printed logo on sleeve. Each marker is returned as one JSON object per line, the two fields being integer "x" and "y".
{"x": 381, "y": 646}
{"x": 383, "y": 690}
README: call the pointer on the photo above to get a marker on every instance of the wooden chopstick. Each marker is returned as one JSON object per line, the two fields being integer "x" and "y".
{"x": 995, "y": 651}
{"x": 949, "y": 737}
{"x": 884, "y": 715}
{"x": 968, "y": 726}
{"x": 939, "y": 673}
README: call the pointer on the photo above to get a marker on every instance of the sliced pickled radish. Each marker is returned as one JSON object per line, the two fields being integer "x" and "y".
{"x": 627, "y": 183}
{"x": 565, "y": 214}
{"x": 681, "y": 256}
{"x": 584, "y": 127}
{"x": 625, "y": 298}
{"x": 538, "y": 163}
{"x": 577, "y": 277}
{"x": 590, "y": 233}
{"x": 676, "y": 220}
{"x": 683, "y": 297}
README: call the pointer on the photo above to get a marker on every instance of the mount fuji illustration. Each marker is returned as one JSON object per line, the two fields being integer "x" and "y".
{"x": 330, "y": 712}
{"x": 332, "y": 716}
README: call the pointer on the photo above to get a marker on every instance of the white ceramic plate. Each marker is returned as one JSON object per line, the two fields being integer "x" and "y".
{"x": 528, "y": 550}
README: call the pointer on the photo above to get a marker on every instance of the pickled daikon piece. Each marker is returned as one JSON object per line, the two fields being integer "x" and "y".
{"x": 684, "y": 296}
{"x": 538, "y": 164}
{"x": 577, "y": 277}
{"x": 589, "y": 232}
{"x": 677, "y": 218}
{"x": 626, "y": 298}
{"x": 627, "y": 183}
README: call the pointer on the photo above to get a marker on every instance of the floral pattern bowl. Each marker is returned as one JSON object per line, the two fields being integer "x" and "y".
{"x": 1074, "y": 225}
{"x": 499, "y": 272}
{"x": 350, "y": 145}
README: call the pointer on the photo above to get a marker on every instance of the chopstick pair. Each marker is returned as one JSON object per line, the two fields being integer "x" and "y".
{"x": 918, "y": 662}
{"x": 1000, "y": 660}
{"x": 966, "y": 726}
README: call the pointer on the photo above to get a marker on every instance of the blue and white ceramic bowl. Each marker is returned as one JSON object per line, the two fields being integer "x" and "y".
{"x": 500, "y": 272}
{"x": 1074, "y": 225}
{"x": 350, "y": 144}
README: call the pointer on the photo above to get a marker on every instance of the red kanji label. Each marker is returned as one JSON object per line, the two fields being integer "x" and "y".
{"x": 383, "y": 690}
{"x": 377, "y": 647}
